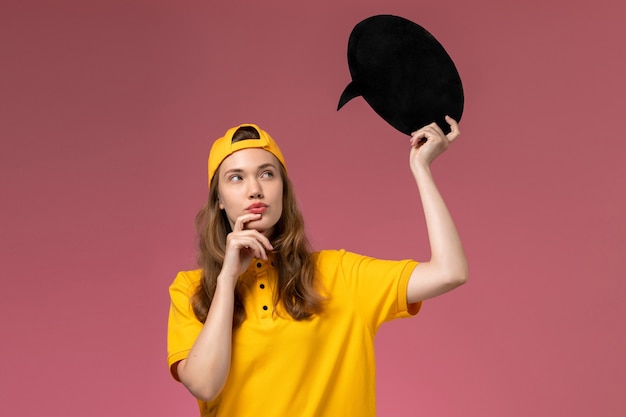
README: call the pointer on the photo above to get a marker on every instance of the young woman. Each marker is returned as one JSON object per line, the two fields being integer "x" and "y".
{"x": 265, "y": 326}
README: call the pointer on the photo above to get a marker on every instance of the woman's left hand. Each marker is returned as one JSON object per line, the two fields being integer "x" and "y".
{"x": 429, "y": 142}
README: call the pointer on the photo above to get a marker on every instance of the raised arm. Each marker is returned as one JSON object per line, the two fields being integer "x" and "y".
{"x": 447, "y": 267}
{"x": 206, "y": 369}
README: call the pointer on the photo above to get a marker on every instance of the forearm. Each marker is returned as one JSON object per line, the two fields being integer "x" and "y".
{"x": 206, "y": 369}
{"x": 447, "y": 268}
{"x": 445, "y": 243}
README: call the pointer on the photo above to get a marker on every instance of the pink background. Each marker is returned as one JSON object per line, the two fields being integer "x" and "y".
{"x": 108, "y": 109}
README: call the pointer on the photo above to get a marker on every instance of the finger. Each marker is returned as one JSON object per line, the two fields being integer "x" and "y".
{"x": 261, "y": 238}
{"x": 240, "y": 223}
{"x": 454, "y": 129}
{"x": 247, "y": 244}
{"x": 437, "y": 129}
{"x": 256, "y": 249}
{"x": 252, "y": 235}
{"x": 416, "y": 138}
{"x": 431, "y": 135}
{"x": 420, "y": 136}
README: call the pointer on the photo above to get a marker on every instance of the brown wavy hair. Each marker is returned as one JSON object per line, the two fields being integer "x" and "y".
{"x": 297, "y": 289}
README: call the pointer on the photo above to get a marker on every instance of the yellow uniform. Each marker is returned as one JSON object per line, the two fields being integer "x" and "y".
{"x": 319, "y": 367}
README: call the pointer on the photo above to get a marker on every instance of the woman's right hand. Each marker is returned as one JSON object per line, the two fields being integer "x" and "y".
{"x": 241, "y": 246}
{"x": 205, "y": 370}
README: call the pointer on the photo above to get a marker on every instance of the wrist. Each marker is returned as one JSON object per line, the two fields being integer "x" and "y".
{"x": 420, "y": 168}
{"x": 226, "y": 281}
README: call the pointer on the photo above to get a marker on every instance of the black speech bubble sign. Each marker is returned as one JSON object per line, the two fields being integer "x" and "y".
{"x": 403, "y": 73}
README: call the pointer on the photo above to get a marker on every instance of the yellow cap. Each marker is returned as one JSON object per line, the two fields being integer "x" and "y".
{"x": 223, "y": 147}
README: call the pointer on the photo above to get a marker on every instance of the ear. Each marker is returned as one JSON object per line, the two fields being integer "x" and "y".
{"x": 219, "y": 202}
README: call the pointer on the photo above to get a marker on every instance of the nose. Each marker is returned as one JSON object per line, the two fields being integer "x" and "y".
{"x": 254, "y": 189}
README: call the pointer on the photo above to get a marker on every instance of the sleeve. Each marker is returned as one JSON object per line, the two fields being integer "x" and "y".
{"x": 182, "y": 327}
{"x": 378, "y": 287}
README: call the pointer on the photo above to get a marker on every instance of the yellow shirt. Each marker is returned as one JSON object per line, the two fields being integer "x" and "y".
{"x": 319, "y": 367}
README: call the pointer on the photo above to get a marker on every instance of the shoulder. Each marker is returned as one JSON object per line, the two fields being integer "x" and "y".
{"x": 332, "y": 260}
{"x": 186, "y": 281}
{"x": 327, "y": 253}
{"x": 350, "y": 263}
{"x": 337, "y": 256}
{"x": 328, "y": 257}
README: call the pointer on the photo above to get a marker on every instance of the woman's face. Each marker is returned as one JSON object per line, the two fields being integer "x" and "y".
{"x": 250, "y": 182}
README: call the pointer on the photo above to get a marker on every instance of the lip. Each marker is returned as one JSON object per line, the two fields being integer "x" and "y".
{"x": 256, "y": 208}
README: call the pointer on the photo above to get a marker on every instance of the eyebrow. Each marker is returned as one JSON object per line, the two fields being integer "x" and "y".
{"x": 259, "y": 168}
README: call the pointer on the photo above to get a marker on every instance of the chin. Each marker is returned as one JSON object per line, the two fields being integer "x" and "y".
{"x": 262, "y": 227}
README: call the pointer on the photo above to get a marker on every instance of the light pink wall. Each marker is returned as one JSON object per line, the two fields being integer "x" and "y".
{"x": 107, "y": 112}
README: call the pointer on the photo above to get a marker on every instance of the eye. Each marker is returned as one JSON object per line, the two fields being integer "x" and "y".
{"x": 235, "y": 178}
{"x": 267, "y": 174}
